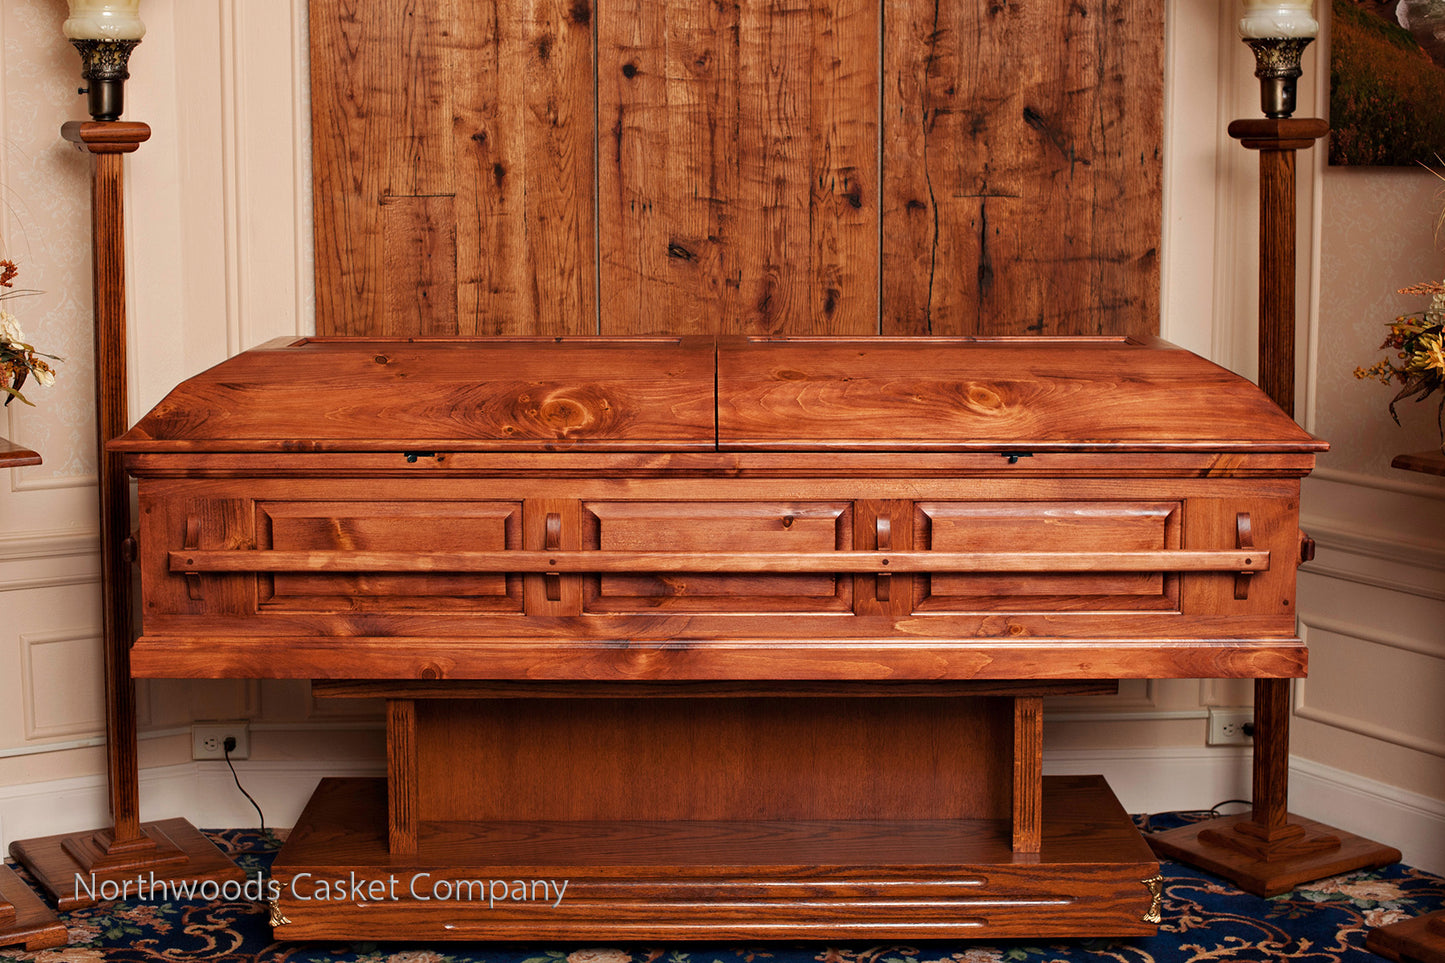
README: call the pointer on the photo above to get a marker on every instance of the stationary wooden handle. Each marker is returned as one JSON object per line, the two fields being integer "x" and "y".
{"x": 552, "y": 542}
{"x": 885, "y": 542}
{"x": 781, "y": 563}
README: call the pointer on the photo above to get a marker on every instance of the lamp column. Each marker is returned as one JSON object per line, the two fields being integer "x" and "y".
{"x": 69, "y": 867}
{"x": 1270, "y": 851}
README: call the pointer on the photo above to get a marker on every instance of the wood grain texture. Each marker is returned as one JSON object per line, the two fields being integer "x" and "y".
{"x": 1028, "y": 773}
{"x": 741, "y": 151}
{"x": 25, "y": 920}
{"x": 1005, "y": 394}
{"x": 16, "y": 456}
{"x": 453, "y": 162}
{"x": 727, "y": 879}
{"x": 441, "y": 395}
{"x": 178, "y": 853}
{"x": 1022, "y": 168}
{"x": 620, "y": 759}
{"x": 1271, "y": 874}
{"x": 1418, "y": 940}
{"x": 402, "y": 787}
{"x": 1427, "y": 462}
{"x": 738, "y": 169}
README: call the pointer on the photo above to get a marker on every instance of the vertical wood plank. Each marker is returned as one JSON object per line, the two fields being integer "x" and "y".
{"x": 1021, "y": 167}
{"x": 419, "y": 247}
{"x": 1028, "y": 775}
{"x": 770, "y": 207}
{"x": 402, "y": 787}
{"x": 347, "y": 171}
{"x": 558, "y": 119}
{"x": 843, "y": 292}
{"x": 454, "y": 153}
{"x": 422, "y": 62}
{"x": 738, "y": 172}
{"x": 491, "y": 229}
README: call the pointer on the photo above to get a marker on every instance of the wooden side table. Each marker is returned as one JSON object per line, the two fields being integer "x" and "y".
{"x": 24, "y": 917}
{"x": 1429, "y": 462}
{"x": 1421, "y": 939}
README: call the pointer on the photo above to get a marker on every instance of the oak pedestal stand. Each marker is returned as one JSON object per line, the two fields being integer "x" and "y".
{"x": 24, "y": 918}
{"x": 172, "y": 849}
{"x": 1270, "y": 851}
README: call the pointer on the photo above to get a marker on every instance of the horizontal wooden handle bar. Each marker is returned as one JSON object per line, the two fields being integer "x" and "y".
{"x": 774, "y": 563}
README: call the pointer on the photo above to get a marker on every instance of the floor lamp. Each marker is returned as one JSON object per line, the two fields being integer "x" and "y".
{"x": 1270, "y": 850}
{"x": 72, "y": 868}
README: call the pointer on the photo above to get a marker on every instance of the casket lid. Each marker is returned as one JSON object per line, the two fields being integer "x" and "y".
{"x": 716, "y": 394}
{"x": 473, "y": 394}
{"x": 1025, "y": 393}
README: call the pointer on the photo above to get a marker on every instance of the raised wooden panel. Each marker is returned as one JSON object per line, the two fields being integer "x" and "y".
{"x": 925, "y": 758}
{"x": 713, "y": 526}
{"x": 364, "y": 526}
{"x": 1021, "y": 176}
{"x": 738, "y": 166}
{"x": 1063, "y": 527}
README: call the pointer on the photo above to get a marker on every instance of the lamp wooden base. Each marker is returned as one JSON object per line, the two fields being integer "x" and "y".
{"x": 1306, "y": 850}
{"x": 714, "y": 879}
{"x": 71, "y": 867}
{"x": 1420, "y": 940}
{"x": 24, "y": 918}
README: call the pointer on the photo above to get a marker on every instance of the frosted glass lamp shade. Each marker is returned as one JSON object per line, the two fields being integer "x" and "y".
{"x": 102, "y": 20}
{"x": 1267, "y": 19}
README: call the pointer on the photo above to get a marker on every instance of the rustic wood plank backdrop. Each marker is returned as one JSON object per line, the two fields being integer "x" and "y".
{"x": 769, "y": 167}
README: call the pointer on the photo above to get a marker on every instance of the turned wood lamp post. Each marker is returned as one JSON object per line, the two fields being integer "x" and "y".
{"x": 105, "y": 33}
{"x": 1270, "y": 850}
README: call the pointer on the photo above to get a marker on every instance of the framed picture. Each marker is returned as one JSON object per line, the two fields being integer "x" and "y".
{"x": 1387, "y": 82}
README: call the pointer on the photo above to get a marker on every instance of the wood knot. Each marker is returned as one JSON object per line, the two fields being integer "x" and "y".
{"x": 982, "y": 398}
{"x": 431, "y": 671}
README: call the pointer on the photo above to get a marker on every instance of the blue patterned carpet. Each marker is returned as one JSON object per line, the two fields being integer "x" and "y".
{"x": 1204, "y": 919}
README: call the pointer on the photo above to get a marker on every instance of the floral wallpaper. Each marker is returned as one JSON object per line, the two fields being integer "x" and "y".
{"x": 1379, "y": 235}
{"x": 45, "y": 229}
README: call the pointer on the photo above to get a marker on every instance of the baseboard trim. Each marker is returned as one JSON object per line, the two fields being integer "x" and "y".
{"x": 1145, "y": 780}
{"x": 1411, "y": 822}
{"x": 202, "y": 792}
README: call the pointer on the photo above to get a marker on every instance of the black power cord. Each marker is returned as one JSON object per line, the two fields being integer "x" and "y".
{"x": 1193, "y": 815}
{"x": 227, "y": 745}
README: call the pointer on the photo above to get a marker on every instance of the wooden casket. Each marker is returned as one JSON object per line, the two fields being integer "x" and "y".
{"x": 720, "y": 638}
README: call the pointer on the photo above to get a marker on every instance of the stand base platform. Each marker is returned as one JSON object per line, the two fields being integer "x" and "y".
{"x": 25, "y": 919}
{"x": 1420, "y": 940}
{"x": 1278, "y": 874}
{"x": 73, "y": 884}
{"x": 709, "y": 879}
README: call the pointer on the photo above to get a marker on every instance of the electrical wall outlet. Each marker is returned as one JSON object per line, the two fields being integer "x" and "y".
{"x": 1231, "y": 727}
{"x": 208, "y": 740}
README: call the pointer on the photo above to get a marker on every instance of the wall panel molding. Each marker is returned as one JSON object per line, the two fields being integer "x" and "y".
{"x": 1409, "y": 566}
{"x": 1323, "y": 714}
{"x": 38, "y": 544}
{"x": 43, "y": 699}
